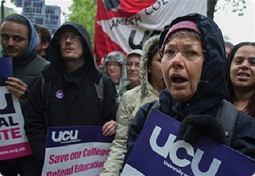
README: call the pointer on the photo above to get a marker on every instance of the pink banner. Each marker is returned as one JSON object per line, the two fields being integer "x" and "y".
{"x": 14, "y": 151}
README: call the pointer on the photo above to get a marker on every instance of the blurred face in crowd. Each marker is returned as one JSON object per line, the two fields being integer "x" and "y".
{"x": 155, "y": 71}
{"x": 42, "y": 46}
{"x": 182, "y": 64}
{"x": 133, "y": 68}
{"x": 70, "y": 42}
{"x": 14, "y": 39}
{"x": 242, "y": 68}
{"x": 113, "y": 70}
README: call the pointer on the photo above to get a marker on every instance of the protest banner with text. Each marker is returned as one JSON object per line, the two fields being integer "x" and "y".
{"x": 76, "y": 151}
{"x": 160, "y": 150}
{"x": 34, "y": 10}
{"x": 13, "y": 141}
{"x": 52, "y": 18}
{"x": 126, "y": 25}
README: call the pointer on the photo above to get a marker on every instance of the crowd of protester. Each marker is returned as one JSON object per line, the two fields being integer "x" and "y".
{"x": 187, "y": 72}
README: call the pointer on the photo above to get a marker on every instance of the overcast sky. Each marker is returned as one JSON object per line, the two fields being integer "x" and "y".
{"x": 237, "y": 28}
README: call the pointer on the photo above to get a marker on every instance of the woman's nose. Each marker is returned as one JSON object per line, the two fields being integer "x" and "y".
{"x": 244, "y": 64}
{"x": 177, "y": 60}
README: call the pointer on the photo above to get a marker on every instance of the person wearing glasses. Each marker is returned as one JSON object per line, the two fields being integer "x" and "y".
{"x": 73, "y": 99}
{"x": 131, "y": 71}
{"x": 113, "y": 67}
{"x": 193, "y": 64}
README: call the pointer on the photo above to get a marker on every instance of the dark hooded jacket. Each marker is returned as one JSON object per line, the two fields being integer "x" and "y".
{"x": 211, "y": 91}
{"x": 73, "y": 100}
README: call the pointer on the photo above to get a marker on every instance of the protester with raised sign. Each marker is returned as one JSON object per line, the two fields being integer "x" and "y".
{"x": 44, "y": 41}
{"x": 193, "y": 63}
{"x": 19, "y": 39}
{"x": 151, "y": 85}
{"x": 77, "y": 93}
{"x": 241, "y": 77}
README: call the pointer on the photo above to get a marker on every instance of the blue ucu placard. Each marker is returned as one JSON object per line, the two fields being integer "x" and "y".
{"x": 6, "y": 71}
{"x": 160, "y": 150}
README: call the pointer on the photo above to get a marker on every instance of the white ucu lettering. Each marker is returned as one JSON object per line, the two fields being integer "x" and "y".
{"x": 64, "y": 135}
{"x": 172, "y": 147}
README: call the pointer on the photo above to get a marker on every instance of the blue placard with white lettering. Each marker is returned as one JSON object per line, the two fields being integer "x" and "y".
{"x": 160, "y": 150}
{"x": 76, "y": 150}
{"x": 61, "y": 136}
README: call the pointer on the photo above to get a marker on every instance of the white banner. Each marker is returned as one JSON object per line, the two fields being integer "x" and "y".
{"x": 13, "y": 141}
{"x": 123, "y": 28}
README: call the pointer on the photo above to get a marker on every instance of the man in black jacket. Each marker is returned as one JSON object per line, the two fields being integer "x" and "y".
{"x": 73, "y": 99}
{"x": 19, "y": 39}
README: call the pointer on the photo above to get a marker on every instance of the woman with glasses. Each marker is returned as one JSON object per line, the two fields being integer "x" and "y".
{"x": 113, "y": 66}
{"x": 193, "y": 65}
{"x": 131, "y": 71}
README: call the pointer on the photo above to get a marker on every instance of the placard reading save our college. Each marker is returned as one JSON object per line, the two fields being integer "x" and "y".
{"x": 76, "y": 151}
{"x": 160, "y": 150}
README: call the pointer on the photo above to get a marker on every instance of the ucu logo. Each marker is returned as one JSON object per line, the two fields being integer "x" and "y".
{"x": 170, "y": 148}
{"x": 64, "y": 135}
{"x": 6, "y": 104}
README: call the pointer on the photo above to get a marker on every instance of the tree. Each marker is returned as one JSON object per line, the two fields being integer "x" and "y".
{"x": 8, "y": 11}
{"x": 84, "y": 12}
{"x": 237, "y": 6}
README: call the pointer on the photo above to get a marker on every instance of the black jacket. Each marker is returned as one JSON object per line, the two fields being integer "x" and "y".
{"x": 211, "y": 91}
{"x": 30, "y": 68}
{"x": 73, "y": 100}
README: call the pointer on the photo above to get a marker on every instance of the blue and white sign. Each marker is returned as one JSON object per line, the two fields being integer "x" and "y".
{"x": 160, "y": 150}
{"x": 78, "y": 150}
{"x": 52, "y": 18}
{"x": 34, "y": 10}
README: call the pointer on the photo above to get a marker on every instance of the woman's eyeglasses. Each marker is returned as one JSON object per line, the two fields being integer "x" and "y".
{"x": 187, "y": 54}
{"x": 115, "y": 64}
